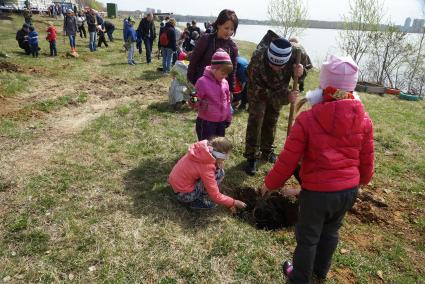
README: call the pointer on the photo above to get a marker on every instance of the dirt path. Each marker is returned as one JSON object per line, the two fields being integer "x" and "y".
{"x": 32, "y": 156}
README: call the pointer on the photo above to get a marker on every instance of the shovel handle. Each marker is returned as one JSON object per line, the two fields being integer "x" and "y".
{"x": 294, "y": 87}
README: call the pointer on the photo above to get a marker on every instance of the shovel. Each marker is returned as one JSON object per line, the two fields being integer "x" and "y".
{"x": 294, "y": 87}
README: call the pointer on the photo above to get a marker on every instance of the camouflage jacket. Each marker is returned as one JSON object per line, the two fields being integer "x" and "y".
{"x": 264, "y": 83}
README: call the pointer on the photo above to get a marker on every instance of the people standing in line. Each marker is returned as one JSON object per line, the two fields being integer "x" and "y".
{"x": 33, "y": 41}
{"x": 22, "y": 38}
{"x": 333, "y": 141}
{"x": 130, "y": 38}
{"x": 81, "y": 19}
{"x": 91, "y": 26}
{"x": 213, "y": 97}
{"x": 225, "y": 27}
{"x": 51, "y": 38}
{"x": 109, "y": 28}
{"x": 168, "y": 44}
{"x": 101, "y": 34}
{"x": 147, "y": 32}
{"x": 271, "y": 68}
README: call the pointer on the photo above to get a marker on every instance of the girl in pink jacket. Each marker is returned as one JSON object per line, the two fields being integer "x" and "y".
{"x": 213, "y": 95}
{"x": 196, "y": 177}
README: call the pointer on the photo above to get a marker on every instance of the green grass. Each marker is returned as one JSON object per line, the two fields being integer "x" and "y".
{"x": 102, "y": 200}
{"x": 12, "y": 84}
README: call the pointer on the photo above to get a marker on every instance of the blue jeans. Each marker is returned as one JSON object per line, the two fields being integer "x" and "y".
{"x": 71, "y": 40}
{"x": 167, "y": 58}
{"x": 92, "y": 44}
{"x": 199, "y": 191}
{"x": 131, "y": 53}
{"x": 109, "y": 33}
{"x": 148, "y": 47}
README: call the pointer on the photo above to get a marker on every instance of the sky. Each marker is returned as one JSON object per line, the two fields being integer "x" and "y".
{"x": 331, "y": 10}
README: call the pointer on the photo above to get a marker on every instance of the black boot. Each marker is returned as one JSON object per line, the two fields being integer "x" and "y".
{"x": 269, "y": 157}
{"x": 251, "y": 168}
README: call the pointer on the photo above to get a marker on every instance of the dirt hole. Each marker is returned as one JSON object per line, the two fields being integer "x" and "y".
{"x": 271, "y": 212}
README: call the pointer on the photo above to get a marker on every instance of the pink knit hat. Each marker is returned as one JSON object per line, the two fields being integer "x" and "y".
{"x": 339, "y": 72}
{"x": 220, "y": 57}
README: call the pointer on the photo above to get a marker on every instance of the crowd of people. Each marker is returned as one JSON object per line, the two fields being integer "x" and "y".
{"x": 73, "y": 24}
{"x": 329, "y": 148}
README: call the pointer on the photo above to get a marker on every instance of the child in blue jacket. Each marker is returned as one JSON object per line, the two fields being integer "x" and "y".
{"x": 131, "y": 38}
{"x": 33, "y": 41}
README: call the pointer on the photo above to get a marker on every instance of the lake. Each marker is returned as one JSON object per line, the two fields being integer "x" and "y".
{"x": 317, "y": 42}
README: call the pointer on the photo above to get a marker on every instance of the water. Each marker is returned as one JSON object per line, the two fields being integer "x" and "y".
{"x": 318, "y": 42}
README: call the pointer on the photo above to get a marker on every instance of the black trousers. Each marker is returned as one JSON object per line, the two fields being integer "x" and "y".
{"x": 101, "y": 40}
{"x": 320, "y": 217}
{"x": 82, "y": 31}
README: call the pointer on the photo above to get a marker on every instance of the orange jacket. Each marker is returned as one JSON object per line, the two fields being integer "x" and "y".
{"x": 198, "y": 163}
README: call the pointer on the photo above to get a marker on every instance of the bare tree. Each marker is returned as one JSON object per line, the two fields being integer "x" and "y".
{"x": 289, "y": 15}
{"x": 389, "y": 50}
{"x": 360, "y": 24}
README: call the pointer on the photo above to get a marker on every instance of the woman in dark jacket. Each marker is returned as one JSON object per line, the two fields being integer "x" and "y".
{"x": 224, "y": 28}
{"x": 91, "y": 26}
{"x": 171, "y": 47}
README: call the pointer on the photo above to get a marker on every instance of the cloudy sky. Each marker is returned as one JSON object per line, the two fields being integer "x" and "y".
{"x": 398, "y": 10}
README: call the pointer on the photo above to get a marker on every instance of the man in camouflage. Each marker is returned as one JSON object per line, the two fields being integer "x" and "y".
{"x": 269, "y": 73}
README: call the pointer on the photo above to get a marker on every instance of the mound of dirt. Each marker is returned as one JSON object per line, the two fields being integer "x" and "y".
{"x": 271, "y": 212}
{"x": 10, "y": 67}
{"x": 371, "y": 209}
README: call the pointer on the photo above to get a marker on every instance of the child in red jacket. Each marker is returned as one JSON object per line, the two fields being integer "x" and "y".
{"x": 334, "y": 142}
{"x": 197, "y": 175}
{"x": 51, "y": 37}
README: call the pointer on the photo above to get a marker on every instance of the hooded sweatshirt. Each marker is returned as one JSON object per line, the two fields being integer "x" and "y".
{"x": 335, "y": 142}
{"x": 197, "y": 164}
{"x": 214, "y": 98}
{"x": 51, "y": 33}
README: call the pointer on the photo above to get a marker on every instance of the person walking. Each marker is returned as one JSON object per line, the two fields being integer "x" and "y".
{"x": 146, "y": 30}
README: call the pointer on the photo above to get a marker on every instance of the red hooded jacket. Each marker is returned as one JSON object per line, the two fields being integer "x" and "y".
{"x": 51, "y": 34}
{"x": 334, "y": 141}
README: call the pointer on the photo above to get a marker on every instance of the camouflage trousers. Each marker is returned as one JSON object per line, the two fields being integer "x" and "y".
{"x": 264, "y": 111}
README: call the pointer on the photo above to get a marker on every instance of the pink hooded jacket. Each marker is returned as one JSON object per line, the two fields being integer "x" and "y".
{"x": 214, "y": 98}
{"x": 198, "y": 163}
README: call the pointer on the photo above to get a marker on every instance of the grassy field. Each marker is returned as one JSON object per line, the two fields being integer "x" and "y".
{"x": 86, "y": 146}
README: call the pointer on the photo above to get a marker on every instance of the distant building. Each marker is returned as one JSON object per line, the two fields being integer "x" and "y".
{"x": 418, "y": 25}
{"x": 150, "y": 10}
{"x": 407, "y": 24}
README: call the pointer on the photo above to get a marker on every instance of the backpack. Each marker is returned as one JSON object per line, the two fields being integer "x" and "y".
{"x": 163, "y": 37}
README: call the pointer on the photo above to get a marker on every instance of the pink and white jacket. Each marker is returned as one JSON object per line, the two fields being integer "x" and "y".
{"x": 198, "y": 163}
{"x": 214, "y": 98}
